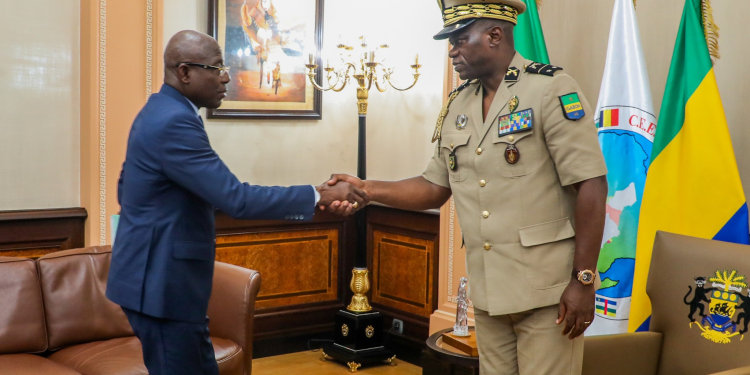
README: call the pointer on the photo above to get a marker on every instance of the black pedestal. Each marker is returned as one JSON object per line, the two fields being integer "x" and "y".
{"x": 439, "y": 361}
{"x": 359, "y": 339}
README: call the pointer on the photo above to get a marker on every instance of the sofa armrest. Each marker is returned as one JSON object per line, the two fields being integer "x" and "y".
{"x": 232, "y": 306}
{"x": 737, "y": 371}
{"x": 622, "y": 354}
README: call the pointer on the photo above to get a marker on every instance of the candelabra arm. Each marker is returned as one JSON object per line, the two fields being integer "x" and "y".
{"x": 416, "y": 78}
{"x": 377, "y": 85}
{"x": 311, "y": 75}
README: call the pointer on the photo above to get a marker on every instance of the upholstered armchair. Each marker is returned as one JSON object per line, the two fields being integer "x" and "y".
{"x": 700, "y": 306}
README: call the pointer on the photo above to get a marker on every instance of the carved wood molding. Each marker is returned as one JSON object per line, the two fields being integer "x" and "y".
{"x": 33, "y": 233}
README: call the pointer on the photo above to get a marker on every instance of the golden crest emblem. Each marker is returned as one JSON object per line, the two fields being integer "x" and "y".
{"x": 369, "y": 331}
{"x": 345, "y": 330}
{"x": 724, "y": 299}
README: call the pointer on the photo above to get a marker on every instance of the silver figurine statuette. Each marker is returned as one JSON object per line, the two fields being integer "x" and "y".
{"x": 461, "y": 328}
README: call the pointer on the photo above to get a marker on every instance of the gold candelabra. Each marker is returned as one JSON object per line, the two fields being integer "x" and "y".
{"x": 361, "y": 66}
{"x": 359, "y": 63}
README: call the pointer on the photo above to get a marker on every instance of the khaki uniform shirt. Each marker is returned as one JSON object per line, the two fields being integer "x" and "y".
{"x": 517, "y": 219}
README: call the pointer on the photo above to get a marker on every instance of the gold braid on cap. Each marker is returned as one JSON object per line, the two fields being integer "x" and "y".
{"x": 496, "y": 11}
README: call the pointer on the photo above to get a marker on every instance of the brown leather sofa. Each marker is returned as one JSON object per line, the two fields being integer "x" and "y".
{"x": 56, "y": 320}
{"x": 675, "y": 345}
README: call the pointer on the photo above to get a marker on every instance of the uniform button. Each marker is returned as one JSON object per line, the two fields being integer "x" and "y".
{"x": 451, "y": 144}
{"x": 487, "y": 246}
{"x": 479, "y": 151}
{"x": 485, "y": 214}
{"x": 482, "y": 183}
{"x": 510, "y": 138}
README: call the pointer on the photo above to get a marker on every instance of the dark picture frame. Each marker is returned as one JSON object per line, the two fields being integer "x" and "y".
{"x": 253, "y": 92}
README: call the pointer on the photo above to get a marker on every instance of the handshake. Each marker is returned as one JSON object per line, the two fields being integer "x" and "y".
{"x": 342, "y": 194}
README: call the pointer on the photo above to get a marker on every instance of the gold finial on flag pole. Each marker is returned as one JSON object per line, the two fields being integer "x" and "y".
{"x": 538, "y": 4}
{"x": 710, "y": 29}
{"x": 634, "y": 6}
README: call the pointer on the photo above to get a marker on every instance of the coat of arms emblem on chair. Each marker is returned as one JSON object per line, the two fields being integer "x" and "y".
{"x": 725, "y": 300}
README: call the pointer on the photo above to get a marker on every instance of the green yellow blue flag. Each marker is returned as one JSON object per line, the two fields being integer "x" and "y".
{"x": 693, "y": 186}
{"x": 528, "y": 35}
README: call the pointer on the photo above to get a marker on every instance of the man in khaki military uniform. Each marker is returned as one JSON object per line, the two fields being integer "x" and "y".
{"x": 518, "y": 149}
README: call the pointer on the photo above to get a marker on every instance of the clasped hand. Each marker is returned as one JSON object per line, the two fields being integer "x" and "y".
{"x": 343, "y": 194}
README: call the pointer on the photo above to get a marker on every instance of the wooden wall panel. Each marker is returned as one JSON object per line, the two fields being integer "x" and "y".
{"x": 33, "y": 233}
{"x": 296, "y": 267}
{"x": 403, "y": 260}
{"x": 304, "y": 267}
{"x": 402, "y": 272}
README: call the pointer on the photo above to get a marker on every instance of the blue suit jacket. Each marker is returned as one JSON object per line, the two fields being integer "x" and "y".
{"x": 171, "y": 181}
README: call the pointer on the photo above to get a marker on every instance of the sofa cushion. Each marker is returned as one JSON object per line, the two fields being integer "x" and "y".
{"x": 73, "y": 284}
{"x": 123, "y": 356}
{"x": 22, "y": 327}
{"x": 29, "y": 364}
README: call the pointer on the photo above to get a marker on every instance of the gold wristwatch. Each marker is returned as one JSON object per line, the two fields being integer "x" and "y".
{"x": 586, "y": 277}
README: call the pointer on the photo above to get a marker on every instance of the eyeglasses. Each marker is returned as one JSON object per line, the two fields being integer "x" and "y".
{"x": 223, "y": 70}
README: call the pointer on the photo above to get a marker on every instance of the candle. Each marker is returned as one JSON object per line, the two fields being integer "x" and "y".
{"x": 372, "y": 56}
{"x": 328, "y": 63}
{"x": 416, "y": 60}
{"x": 311, "y": 59}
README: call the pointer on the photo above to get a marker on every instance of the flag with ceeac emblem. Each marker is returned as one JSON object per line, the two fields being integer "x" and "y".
{"x": 626, "y": 124}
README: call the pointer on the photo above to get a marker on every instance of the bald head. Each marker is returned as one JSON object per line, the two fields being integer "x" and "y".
{"x": 191, "y": 65}
{"x": 189, "y": 46}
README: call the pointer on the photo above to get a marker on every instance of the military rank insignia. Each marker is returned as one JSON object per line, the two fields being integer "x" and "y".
{"x": 572, "y": 107}
{"x": 545, "y": 69}
{"x": 511, "y": 76}
{"x": 515, "y": 122}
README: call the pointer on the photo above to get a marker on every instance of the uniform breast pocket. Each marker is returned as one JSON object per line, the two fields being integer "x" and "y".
{"x": 517, "y": 153}
{"x": 454, "y": 148}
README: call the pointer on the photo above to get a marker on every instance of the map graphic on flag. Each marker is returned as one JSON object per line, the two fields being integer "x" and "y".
{"x": 626, "y": 124}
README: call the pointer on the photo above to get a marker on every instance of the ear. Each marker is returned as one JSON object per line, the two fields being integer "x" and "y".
{"x": 495, "y": 35}
{"x": 183, "y": 74}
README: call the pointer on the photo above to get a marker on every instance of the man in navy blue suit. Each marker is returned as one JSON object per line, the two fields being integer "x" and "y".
{"x": 171, "y": 182}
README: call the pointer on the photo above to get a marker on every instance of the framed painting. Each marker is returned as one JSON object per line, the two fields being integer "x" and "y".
{"x": 266, "y": 45}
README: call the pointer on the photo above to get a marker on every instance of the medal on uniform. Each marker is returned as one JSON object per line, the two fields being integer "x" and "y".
{"x": 512, "y": 155}
{"x": 513, "y": 104}
{"x": 452, "y": 160}
{"x": 461, "y": 121}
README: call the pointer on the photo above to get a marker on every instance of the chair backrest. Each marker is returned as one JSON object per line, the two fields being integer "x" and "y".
{"x": 689, "y": 278}
{"x": 22, "y": 327}
{"x": 73, "y": 284}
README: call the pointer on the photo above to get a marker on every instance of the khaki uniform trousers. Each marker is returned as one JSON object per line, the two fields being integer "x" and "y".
{"x": 526, "y": 343}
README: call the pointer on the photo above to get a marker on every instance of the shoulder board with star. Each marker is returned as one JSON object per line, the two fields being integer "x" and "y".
{"x": 545, "y": 69}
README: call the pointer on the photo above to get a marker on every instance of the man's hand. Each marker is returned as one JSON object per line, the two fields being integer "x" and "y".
{"x": 342, "y": 197}
{"x": 346, "y": 207}
{"x": 576, "y": 308}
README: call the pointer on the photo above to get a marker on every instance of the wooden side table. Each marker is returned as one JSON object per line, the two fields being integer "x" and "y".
{"x": 440, "y": 361}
